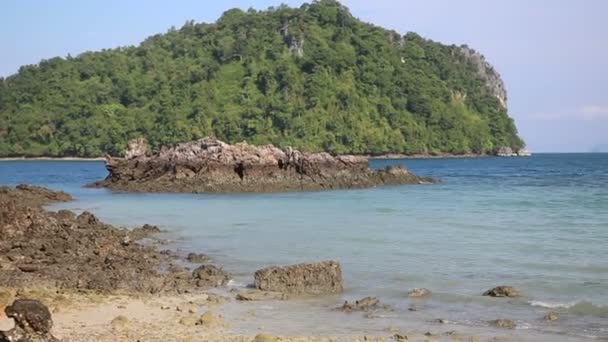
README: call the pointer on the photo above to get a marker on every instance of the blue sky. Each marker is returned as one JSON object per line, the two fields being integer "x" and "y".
{"x": 552, "y": 54}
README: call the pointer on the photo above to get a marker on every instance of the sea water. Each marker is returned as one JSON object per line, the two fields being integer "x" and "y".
{"x": 539, "y": 224}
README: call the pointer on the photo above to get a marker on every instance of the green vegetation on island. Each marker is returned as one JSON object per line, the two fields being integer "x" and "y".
{"x": 313, "y": 77}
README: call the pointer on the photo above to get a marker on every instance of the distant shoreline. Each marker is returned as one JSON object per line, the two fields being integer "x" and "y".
{"x": 50, "y": 159}
{"x": 428, "y": 156}
{"x": 371, "y": 157}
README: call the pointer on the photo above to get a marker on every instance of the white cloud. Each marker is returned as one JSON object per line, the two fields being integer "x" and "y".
{"x": 595, "y": 112}
{"x": 585, "y": 113}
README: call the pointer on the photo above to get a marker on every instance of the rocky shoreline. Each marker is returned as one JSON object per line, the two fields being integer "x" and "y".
{"x": 73, "y": 278}
{"x": 79, "y": 252}
{"x": 212, "y": 166}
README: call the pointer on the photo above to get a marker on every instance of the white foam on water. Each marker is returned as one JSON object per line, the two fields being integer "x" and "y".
{"x": 233, "y": 283}
{"x": 551, "y": 305}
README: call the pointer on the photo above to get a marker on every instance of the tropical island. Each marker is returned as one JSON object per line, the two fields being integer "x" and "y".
{"x": 315, "y": 78}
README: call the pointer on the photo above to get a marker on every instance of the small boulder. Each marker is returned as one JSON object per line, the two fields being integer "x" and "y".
{"x": 502, "y": 291}
{"x": 504, "y": 323}
{"x": 210, "y": 276}
{"x": 364, "y": 304}
{"x": 198, "y": 258}
{"x": 209, "y": 320}
{"x": 88, "y": 218}
{"x": 265, "y": 338}
{"x": 310, "y": 278}
{"x": 32, "y": 322}
{"x": 400, "y": 338}
{"x": 188, "y": 320}
{"x": 119, "y": 322}
{"x": 419, "y": 292}
{"x": 551, "y": 316}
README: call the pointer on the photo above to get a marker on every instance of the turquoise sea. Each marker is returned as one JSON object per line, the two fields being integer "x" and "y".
{"x": 539, "y": 224}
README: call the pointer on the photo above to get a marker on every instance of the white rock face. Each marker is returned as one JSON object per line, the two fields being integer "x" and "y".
{"x": 524, "y": 153}
{"x": 487, "y": 73}
{"x": 136, "y": 148}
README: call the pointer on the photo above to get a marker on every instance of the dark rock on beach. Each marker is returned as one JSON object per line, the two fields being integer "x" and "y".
{"x": 310, "y": 278}
{"x": 210, "y": 165}
{"x": 69, "y": 251}
{"x": 502, "y": 291}
{"x": 33, "y": 322}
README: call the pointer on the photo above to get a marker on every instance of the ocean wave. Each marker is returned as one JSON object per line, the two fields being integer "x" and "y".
{"x": 233, "y": 283}
{"x": 551, "y": 305}
{"x": 577, "y": 308}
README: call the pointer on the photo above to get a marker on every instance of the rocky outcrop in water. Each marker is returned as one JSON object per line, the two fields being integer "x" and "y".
{"x": 502, "y": 291}
{"x": 210, "y": 165}
{"x": 310, "y": 278}
{"x": 419, "y": 293}
{"x": 504, "y": 323}
{"x": 551, "y": 316}
{"x": 33, "y": 322}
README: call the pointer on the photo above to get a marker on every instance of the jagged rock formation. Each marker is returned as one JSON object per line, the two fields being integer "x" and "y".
{"x": 210, "y": 165}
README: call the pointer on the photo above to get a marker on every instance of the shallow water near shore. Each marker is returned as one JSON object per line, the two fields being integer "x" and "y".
{"x": 538, "y": 223}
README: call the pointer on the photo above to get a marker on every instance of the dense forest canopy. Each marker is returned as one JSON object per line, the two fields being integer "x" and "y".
{"x": 313, "y": 77}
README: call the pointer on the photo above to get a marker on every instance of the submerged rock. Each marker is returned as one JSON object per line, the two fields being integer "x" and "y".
{"x": 265, "y": 338}
{"x": 364, "y": 304}
{"x": 309, "y": 278}
{"x": 502, "y": 291}
{"x": 209, "y": 320}
{"x": 551, "y": 316}
{"x": 250, "y": 296}
{"x": 419, "y": 293}
{"x": 198, "y": 258}
{"x": 504, "y": 323}
{"x": 33, "y": 322}
{"x": 210, "y": 165}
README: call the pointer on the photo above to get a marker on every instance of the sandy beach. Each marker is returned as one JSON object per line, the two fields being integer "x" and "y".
{"x": 213, "y": 317}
